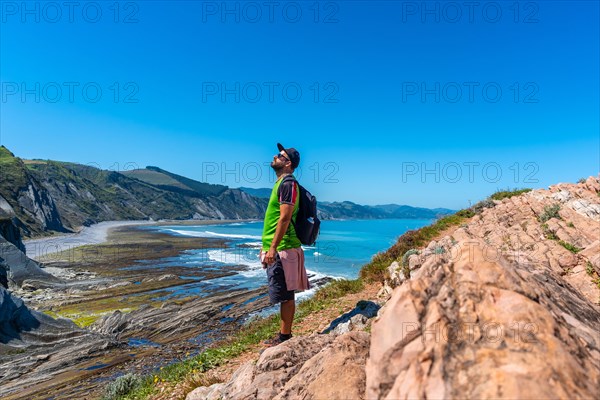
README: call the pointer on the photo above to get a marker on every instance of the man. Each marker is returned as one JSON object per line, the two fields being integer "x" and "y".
{"x": 281, "y": 253}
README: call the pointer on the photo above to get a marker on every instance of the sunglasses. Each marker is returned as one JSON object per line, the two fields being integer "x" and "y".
{"x": 279, "y": 155}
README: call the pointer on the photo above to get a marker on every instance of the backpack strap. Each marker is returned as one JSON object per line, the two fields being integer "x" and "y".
{"x": 288, "y": 178}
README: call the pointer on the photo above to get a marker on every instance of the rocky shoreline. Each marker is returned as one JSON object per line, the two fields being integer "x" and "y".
{"x": 125, "y": 316}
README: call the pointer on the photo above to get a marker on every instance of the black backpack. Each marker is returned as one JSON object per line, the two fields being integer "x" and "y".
{"x": 307, "y": 223}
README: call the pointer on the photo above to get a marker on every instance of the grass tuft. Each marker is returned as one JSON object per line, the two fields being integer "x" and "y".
{"x": 550, "y": 212}
{"x": 548, "y": 233}
{"x": 375, "y": 270}
{"x": 505, "y": 194}
{"x": 589, "y": 268}
{"x": 122, "y": 386}
{"x": 571, "y": 247}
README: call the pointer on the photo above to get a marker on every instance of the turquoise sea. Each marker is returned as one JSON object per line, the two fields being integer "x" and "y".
{"x": 342, "y": 248}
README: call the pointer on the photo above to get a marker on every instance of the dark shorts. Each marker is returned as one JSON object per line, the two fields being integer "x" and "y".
{"x": 278, "y": 292}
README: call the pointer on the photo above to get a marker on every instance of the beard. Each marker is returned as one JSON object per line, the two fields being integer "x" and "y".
{"x": 276, "y": 167}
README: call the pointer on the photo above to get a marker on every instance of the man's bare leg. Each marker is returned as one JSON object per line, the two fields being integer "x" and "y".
{"x": 288, "y": 308}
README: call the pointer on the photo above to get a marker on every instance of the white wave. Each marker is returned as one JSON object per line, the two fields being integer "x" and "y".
{"x": 232, "y": 257}
{"x": 209, "y": 234}
{"x": 257, "y": 245}
{"x": 250, "y": 259}
{"x": 314, "y": 275}
{"x": 233, "y": 235}
{"x": 306, "y": 294}
{"x": 186, "y": 233}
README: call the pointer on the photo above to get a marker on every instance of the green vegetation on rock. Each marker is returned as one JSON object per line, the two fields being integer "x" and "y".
{"x": 505, "y": 194}
{"x": 550, "y": 212}
{"x": 122, "y": 386}
{"x": 14, "y": 175}
{"x": 571, "y": 247}
{"x": 375, "y": 270}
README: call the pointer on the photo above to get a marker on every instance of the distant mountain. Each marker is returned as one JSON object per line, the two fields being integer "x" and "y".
{"x": 52, "y": 196}
{"x": 403, "y": 211}
{"x": 350, "y": 210}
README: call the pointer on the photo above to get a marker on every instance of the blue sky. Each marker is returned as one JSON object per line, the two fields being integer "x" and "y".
{"x": 432, "y": 104}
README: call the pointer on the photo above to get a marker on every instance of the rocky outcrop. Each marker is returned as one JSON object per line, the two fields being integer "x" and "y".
{"x": 504, "y": 307}
{"x": 357, "y": 319}
{"x": 39, "y": 207}
{"x": 231, "y": 204}
{"x": 306, "y": 367}
{"x": 10, "y": 225}
{"x": 23, "y": 196}
{"x": 10, "y": 232}
{"x": 16, "y": 269}
{"x": 21, "y": 327}
{"x": 158, "y": 324}
{"x": 34, "y": 347}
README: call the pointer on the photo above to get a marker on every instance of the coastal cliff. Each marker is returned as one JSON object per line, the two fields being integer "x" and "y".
{"x": 504, "y": 305}
{"x": 24, "y": 197}
{"x": 53, "y": 196}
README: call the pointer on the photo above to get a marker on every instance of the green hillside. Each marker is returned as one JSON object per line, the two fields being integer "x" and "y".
{"x": 169, "y": 181}
{"x": 13, "y": 172}
{"x": 154, "y": 178}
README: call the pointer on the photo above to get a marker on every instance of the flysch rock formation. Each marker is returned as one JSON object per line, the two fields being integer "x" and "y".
{"x": 16, "y": 269}
{"x": 21, "y": 271}
{"x": 504, "y": 306}
{"x": 500, "y": 308}
{"x": 35, "y": 348}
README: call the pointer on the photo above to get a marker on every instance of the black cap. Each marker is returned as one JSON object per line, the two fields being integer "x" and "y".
{"x": 292, "y": 153}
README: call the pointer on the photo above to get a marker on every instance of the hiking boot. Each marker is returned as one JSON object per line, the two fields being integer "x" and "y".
{"x": 280, "y": 338}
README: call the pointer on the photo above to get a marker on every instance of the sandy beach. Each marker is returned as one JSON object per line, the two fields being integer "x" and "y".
{"x": 96, "y": 234}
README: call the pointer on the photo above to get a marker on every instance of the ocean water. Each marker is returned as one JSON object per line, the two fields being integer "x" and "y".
{"x": 342, "y": 248}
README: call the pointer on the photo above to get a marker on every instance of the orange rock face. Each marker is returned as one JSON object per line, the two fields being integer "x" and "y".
{"x": 506, "y": 307}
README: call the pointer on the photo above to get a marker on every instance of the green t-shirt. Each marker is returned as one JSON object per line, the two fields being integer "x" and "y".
{"x": 286, "y": 193}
